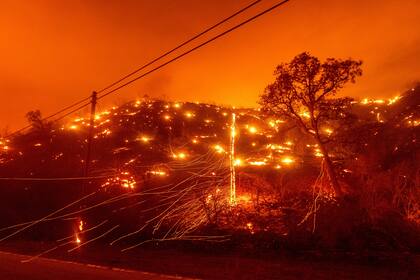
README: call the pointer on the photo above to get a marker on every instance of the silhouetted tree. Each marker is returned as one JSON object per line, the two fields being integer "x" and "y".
{"x": 302, "y": 92}
{"x": 35, "y": 119}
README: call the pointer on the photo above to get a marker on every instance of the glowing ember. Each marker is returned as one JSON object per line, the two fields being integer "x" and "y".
{"x": 238, "y": 162}
{"x": 219, "y": 149}
{"x": 252, "y": 129}
{"x": 179, "y": 155}
{"x": 157, "y": 172}
{"x": 257, "y": 163}
{"x": 328, "y": 131}
{"x": 81, "y": 224}
{"x": 145, "y": 139}
{"x": 287, "y": 160}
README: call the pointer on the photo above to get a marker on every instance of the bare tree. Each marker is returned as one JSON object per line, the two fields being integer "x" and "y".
{"x": 304, "y": 92}
{"x": 37, "y": 122}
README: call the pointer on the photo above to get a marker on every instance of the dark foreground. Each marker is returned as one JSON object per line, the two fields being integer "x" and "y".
{"x": 15, "y": 267}
{"x": 104, "y": 263}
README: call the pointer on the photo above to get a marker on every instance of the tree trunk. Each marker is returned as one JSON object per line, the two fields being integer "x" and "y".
{"x": 332, "y": 177}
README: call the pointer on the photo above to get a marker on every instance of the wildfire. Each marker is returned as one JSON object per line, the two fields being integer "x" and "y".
{"x": 157, "y": 173}
{"x": 252, "y": 129}
{"x": 124, "y": 180}
{"x": 257, "y": 163}
{"x": 328, "y": 131}
{"x": 145, "y": 139}
{"x": 219, "y": 149}
{"x": 390, "y": 101}
{"x": 179, "y": 155}
{"x": 287, "y": 160}
{"x": 238, "y": 162}
{"x": 81, "y": 224}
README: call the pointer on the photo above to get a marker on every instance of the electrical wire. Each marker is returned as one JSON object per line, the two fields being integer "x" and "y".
{"x": 196, "y": 48}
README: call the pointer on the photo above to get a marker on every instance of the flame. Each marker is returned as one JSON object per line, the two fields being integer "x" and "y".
{"x": 287, "y": 160}
{"x": 238, "y": 162}
{"x": 81, "y": 224}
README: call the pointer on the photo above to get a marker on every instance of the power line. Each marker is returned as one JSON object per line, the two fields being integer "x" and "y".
{"x": 71, "y": 112}
{"x": 180, "y": 45}
{"x": 52, "y": 115}
{"x": 195, "y": 48}
{"x": 158, "y": 58}
{"x": 137, "y": 70}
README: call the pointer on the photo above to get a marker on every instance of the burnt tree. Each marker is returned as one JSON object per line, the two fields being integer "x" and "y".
{"x": 304, "y": 92}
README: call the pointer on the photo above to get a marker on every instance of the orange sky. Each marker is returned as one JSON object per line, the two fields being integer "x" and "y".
{"x": 54, "y": 52}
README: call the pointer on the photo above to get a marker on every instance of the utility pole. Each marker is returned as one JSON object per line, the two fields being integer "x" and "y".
{"x": 90, "y": 135}
{"x": 232, "y": 161}
{"x": 93, "y": 101}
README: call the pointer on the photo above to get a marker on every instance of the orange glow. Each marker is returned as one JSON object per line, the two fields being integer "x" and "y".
{"x": 364, "y": 31}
